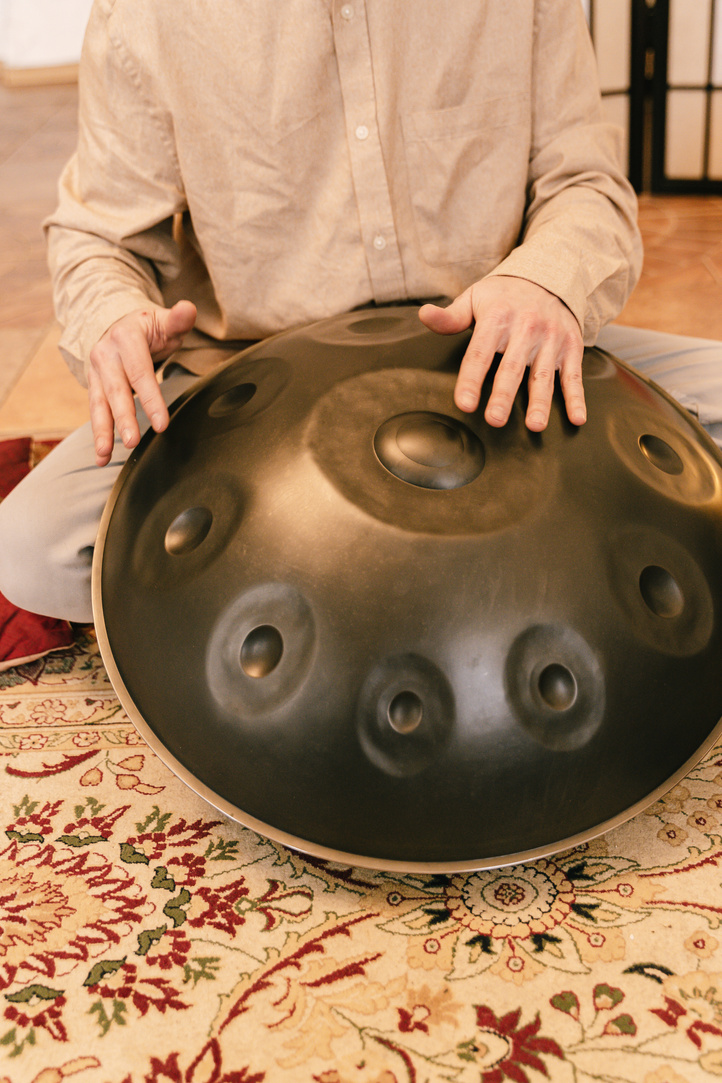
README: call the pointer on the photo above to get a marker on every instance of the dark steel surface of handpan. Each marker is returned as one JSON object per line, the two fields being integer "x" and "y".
{"x": 377, "y": 629}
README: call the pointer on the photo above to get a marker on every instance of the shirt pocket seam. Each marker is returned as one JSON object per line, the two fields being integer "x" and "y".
{"x": 425, "y": 125}
{"x": 458, "y": 215}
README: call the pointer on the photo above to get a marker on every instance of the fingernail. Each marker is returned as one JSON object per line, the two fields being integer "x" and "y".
{"x": 156, "y": 420}
{"x": 125, "y": 435}
{"x": 496, "y": 414}
{"x": 467, "y": 400}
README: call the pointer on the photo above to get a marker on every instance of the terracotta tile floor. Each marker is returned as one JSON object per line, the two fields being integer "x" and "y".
{"x": 681, "y": 285}
{"x": 680, "y": 290}
{"x": 37, "y": 135}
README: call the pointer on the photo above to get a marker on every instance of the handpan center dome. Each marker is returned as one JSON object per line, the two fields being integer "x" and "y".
{"x": 429, "y": 450}
{"x": 429, "y": 440}
{"x": 377, "y": 629}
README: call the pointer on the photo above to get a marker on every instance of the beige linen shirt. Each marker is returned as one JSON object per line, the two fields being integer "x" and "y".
{"x": 279, "y": 162}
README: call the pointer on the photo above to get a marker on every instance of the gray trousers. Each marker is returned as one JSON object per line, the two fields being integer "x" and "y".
{"x": 49, "y": 522}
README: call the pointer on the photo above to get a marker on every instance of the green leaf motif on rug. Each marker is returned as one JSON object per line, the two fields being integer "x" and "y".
{"x": 162, "y": 880}
{"x": 11, "y": 678}
{"x": 623, "y": 1024}
{"x": 42, "y": 992}
{"x": 174, "y": 908}
{"x": 11, "y": 1038}
{"x": 62, "y": 662}
{"x": 567, "y": 1002}
{"x": 482, "y": 941}
{"x": 30, "y": 836}
{"x": 650, "y": 970}
{"x": 585, "y": 910}
{"x": 106, "y": 1021}
{"x": 544, "y": 940}
{"x": 438, "y": 880}
{"x": 81, "y": 840}
{"x": 606, "y": 997}
{"x": 467, "y": 1050}
{"x": 148, "y": 938}
{"x": 222, "y": 850}
{"x": 578, "y": 872}
{"x": 131, "y": 856}
{"x": 197, "y": 969}
{"x": 156, "y": 820}
{"x": 25, "y": 808}
{"x": 102, "y": 970}
{"x": 437, "y": 916}
{"x": 90, "y": 808}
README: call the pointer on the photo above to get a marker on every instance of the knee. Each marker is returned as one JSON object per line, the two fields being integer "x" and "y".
{"x": 35, "y": 571}
{"x": 19, "y": 540}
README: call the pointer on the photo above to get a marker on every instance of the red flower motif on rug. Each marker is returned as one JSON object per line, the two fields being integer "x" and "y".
{"x": 503, "y": 1050}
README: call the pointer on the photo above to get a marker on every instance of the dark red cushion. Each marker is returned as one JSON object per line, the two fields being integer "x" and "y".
{"x": 25, "y": 636}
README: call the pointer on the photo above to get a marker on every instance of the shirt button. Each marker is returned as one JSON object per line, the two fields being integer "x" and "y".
{"x": 379, "y": 242}
{"x": 347, "y": 12}
{"x": 362, "y": 132}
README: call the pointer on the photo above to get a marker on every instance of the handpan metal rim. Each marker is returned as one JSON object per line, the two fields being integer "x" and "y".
{"x": 227, "y": 808}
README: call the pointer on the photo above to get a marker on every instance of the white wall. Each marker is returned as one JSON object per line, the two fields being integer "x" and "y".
{"x": 42, "y": 33}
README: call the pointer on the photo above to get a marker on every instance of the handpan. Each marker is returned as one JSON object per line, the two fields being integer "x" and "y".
{"x": 378, "y": 630}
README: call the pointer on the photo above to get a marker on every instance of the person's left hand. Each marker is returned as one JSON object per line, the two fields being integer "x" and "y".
{"x": 530, "y": 328}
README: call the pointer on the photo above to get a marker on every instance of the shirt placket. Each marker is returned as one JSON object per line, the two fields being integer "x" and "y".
{"x": 373, "y": 198}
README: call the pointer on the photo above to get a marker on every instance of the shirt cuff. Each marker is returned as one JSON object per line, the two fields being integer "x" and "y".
{"x": 554, "y": 275}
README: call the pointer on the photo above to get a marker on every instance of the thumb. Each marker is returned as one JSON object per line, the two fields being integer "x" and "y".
{"x": 167, "y": 326}
{"x": 180, "y": 318}
{"x": 457, "y": 316}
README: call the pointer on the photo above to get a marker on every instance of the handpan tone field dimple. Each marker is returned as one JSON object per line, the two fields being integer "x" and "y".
{"x": 429, "y": 450}
{"x": 381, "y": 631}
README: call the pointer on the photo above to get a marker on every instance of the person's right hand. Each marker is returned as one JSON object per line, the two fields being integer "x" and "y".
{"x": 121, "y": 363}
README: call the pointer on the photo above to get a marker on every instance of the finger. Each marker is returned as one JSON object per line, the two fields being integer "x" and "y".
{"x": 541, "y": 388}
{"x": 120, "y": 399}
{"x": 140, "y": 373}
{"x": 101, "y": 420}
{"x": 483, "y": 346}
{"x": 150, "y": 398}
{"x": 517, "y": 356}
{"x": 572, "y": 386}
{"x": 457, "y": 316}
{"x": 125, "y": 365}
{"x": 106, "y": 362}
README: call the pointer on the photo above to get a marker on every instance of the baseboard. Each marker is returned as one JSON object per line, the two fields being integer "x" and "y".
{"x": 50, "y": 76}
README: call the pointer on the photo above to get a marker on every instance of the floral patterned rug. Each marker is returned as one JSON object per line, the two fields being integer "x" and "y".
{"x": 146, "y": 939}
